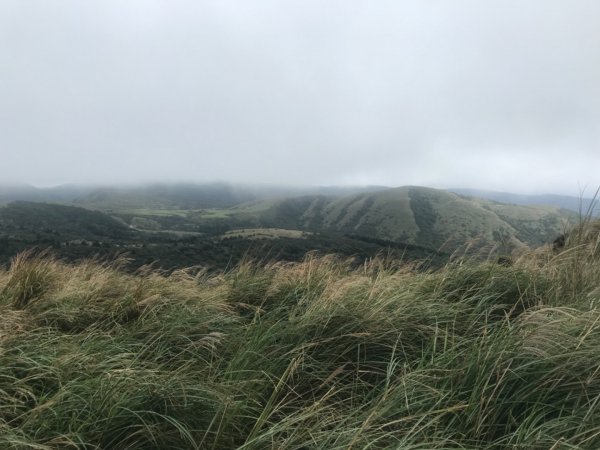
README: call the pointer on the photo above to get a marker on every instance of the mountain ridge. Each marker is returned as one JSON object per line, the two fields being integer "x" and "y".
{"x": 426, "y": 220}
{"x": 580, "y": 205}
{"x": 419, "y": 215}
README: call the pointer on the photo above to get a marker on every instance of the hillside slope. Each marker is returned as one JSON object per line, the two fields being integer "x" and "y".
{"x": 29, "y": 219}
{"x": 424, "y": 216}
{"x": 74, "y": 234}
{"x": 190, "y": 196}
{"x": 167, "y": 196}
{"x": 575, "y": 204}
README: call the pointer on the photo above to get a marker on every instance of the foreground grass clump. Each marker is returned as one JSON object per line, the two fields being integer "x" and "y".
{"x": 317, "y": 355}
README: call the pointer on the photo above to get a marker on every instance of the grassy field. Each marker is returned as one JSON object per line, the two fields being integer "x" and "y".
{"x": 265, "y": 233}
{"x": 311, "y": 355}
{"x": 156, "y": 212}
{"x": 198, "y": 213}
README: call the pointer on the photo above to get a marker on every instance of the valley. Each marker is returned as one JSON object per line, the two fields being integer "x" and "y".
{"x": 176, "y": 226}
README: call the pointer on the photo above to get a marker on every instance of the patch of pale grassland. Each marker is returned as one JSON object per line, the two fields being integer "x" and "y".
{"x": 266, "y": 233}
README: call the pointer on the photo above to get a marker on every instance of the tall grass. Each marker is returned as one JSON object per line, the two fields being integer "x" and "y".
{"x": 316, "y": 355}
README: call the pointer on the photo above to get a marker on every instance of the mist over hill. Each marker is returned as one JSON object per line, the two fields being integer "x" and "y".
{"x": 168, "y": 195}
{"x": 60, "y": 194}
{"x": 577, "y": 204}
{"x": 225, "y": 195}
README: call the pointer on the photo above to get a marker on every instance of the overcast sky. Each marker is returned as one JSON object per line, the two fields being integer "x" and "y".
{"x": 501, "y": 95}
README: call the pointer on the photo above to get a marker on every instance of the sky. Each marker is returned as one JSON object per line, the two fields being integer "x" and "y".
{"x": 495, "y": 94}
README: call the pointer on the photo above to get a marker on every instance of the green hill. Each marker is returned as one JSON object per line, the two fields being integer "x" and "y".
{"x": 581, "y": 205}
{"x": 165, "y": 197}
{"x": 71, "y": 232}
{"x": 417, "y": 215}
{"x": 174, "y": 242}
{"x": 415, "y": 222}
{"x": 27, "y": 220}
{"x": 190, "y": 196}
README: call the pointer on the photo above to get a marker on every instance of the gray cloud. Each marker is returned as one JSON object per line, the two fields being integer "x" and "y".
{"x": 496, "y": 94}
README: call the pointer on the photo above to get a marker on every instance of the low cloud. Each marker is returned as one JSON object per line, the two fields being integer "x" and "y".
{"x": 499, "y": 94}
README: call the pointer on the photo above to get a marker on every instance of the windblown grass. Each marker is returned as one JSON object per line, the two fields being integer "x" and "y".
{"x": 316, "y": 355}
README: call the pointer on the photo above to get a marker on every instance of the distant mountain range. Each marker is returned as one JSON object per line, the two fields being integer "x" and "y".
{"x": 581, "y": 205}
{"x": 226, "y": 195}
{"x": 167, "y": 195}
{"x": 59, "y": 194}
{"x": 432, "y": 219}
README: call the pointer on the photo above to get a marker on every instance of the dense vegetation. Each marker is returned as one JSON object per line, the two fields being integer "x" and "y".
{"x": 29, "y": 220}
{"x": 313, "y": 355}
{"x": 171, "y": 241}
{"x": 432, "y": 219}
